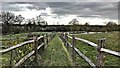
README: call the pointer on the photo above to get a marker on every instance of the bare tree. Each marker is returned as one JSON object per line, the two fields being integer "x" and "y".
{"x": 74, "y": 26}
{"x": 74, "y": 22}
{"x": 7, "y": 18}
{"x": 19, "y": 19}
{"x": 40, "y": 21}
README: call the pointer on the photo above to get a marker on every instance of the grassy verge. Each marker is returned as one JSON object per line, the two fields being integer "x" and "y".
{"x": 55, "y": 54}
{"x": 18, "y": 53}
{"x": 91, "y": 52}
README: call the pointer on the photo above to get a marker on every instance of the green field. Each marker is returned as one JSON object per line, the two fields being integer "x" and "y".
{"x": 13, "y": 39}
{"x": 56, "y": 53}
{"x": 91, "y": 52}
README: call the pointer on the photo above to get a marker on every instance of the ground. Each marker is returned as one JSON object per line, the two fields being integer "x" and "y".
{"x": 55, "y": 54}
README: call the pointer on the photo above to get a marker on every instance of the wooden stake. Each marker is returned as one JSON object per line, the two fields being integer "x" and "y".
{"x": 35, "y": 46}
{"x": 73, "y": 46}
{"x": 100, "y": 56}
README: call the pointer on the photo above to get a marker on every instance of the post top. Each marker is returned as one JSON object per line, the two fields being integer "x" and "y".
{"x": 102, "y": 39}
{"x": 34, "y": 37}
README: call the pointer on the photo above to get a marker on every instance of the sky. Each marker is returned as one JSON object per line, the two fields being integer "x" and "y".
{"x": 95, "y": 13}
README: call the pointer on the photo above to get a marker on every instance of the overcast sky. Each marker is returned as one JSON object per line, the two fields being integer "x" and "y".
{"x": 63, "y": 12}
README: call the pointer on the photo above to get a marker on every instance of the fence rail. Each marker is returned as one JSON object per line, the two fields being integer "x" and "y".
{"x": 15, "y": 46}
{"x": 37, "y": 43}
{"x": 100, "y": 48}
{"x": 27, "y": 56}
{"x": 79, "y": 53}
{"x": 95, "y": 45}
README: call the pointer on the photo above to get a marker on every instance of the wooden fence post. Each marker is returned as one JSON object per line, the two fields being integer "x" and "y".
{"x": 100, "y": 56}
{"x": 67, "y": 45}
{"x": 50, "y": 38}
{"x": 35, "y": 46}
{"x": 73, "y": 46}
{"x": 45, "y": 40}
{"x": 11, "y": 55}
{"x": 64, "y": 39}
{"x": 62, "y": 35}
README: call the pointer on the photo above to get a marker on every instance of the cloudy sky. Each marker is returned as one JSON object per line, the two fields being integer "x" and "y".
{"x": 96, "y": 13}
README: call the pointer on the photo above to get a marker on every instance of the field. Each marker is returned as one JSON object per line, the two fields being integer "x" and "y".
{"x": 56, "y": 53}
{"x": 91, "y": 52}
{"x": 13, "y": 39}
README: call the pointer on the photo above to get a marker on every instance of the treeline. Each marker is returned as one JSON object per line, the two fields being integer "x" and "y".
{"x": 15, "y": 28}
{"x": 12, "y": 23}
{"x": 8, "y": 21}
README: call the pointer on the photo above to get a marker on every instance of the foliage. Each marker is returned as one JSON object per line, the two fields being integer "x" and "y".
{"x": 10, "y": 18}
{"x": 110, "y": 23}
{"x": 73, "y": 22}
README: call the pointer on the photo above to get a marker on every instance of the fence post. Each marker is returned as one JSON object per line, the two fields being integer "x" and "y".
{"x": 11, "y": 55}
{"x": 35, "y": 46}
{"x": 100, "y": 56}
{"x": 73, "y": 46}
{"x": 66, "y": 40}
{"x": 50, "y": 38}
{"x": 45, "y": 39}
{"x": 62, "y": 35}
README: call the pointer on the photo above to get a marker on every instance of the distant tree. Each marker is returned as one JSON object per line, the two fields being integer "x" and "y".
{"x": 19, "y": 19}
{"x": 111, "y": 26}
{"x": 86, "y": 27}
{"x": 29, "y": 25}
{"x": 46, "y": 23}
{"x": 40, "y": 21}
{"x": 111, "y": 23}
{"x": 33, "y": 21}
{"x": 86, "y": 23}
{"x": 73, "y": 22}
{"x": 7, "y": 18}
{"x": 29, "y": 22}
{"x": 58, "y": 23}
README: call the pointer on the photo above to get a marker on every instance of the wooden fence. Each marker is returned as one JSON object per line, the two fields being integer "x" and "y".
{"x": 100, "y": 48}
{"x": 38, "y": 43}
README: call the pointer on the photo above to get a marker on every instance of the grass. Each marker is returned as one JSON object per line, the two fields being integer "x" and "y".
{"x": 111, "y": 39}
{"x": 13, "y": 39}
{"x": 91, "y": 52}
{"x": 55, "y": 54}
{"x": 5, "y": 41}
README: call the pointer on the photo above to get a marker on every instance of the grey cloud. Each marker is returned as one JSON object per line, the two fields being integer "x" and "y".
{"x": 104, "y": 9}
{"x": 60, "y": 0}
{"x": 89, "y": 16}
{"x": 8, "y": 7}
{"x": 83, "y": 9}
